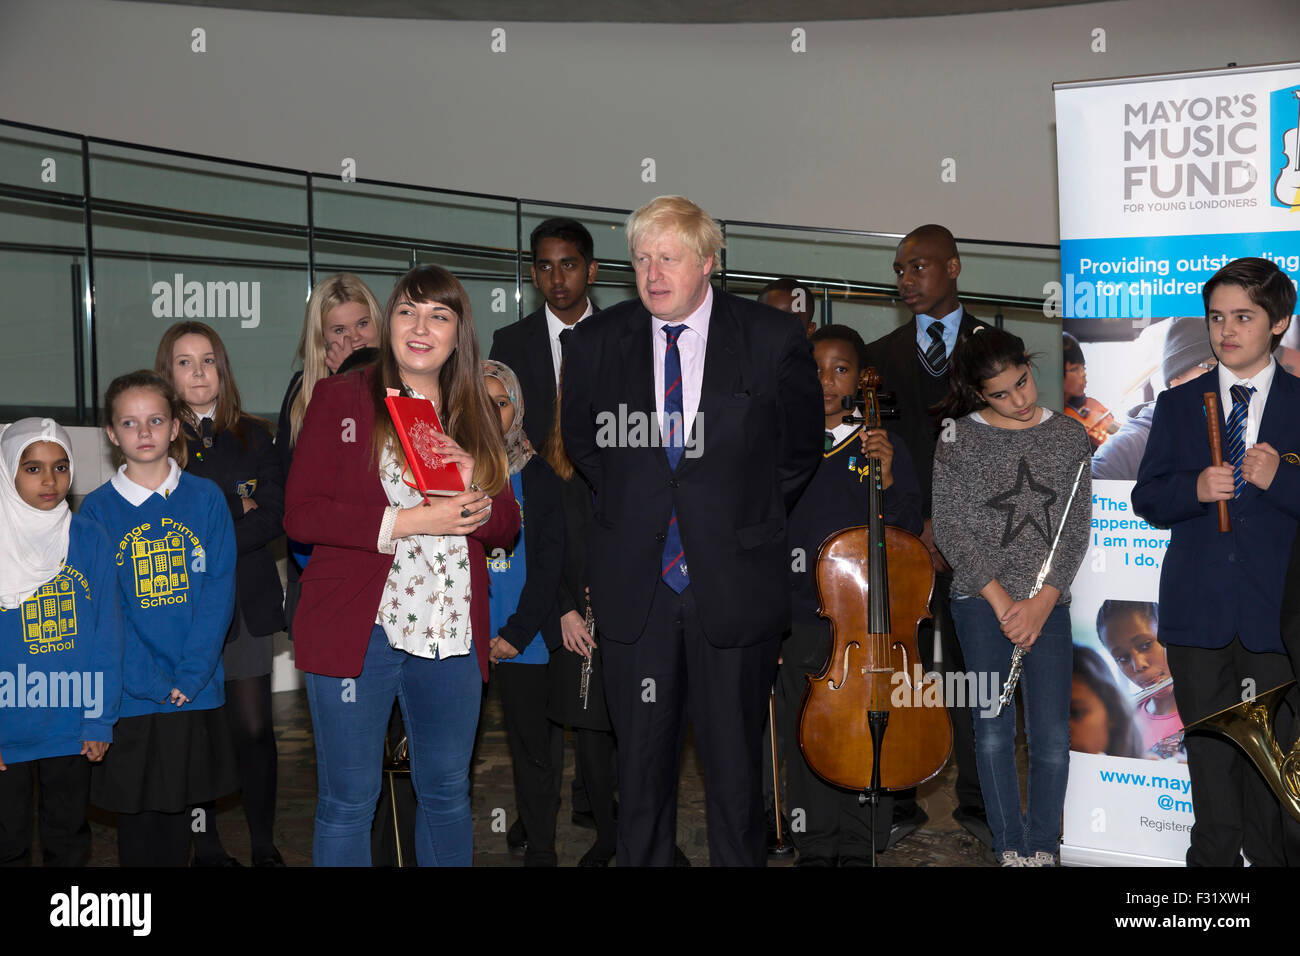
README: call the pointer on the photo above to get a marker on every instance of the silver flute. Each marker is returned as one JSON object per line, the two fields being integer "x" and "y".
{"x": 584, "y": 680}
{"x": 1018, "y": 655}
{"x": 1143, "y": 696}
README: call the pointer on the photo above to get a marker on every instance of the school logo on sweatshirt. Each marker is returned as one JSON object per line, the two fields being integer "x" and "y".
{"x": 50, "y": 615}
{"x": 161, "y": 576}
{"x": 158, "y": 565}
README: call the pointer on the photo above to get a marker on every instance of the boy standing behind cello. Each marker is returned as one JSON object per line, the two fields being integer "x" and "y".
{"x": 835, "y": 828}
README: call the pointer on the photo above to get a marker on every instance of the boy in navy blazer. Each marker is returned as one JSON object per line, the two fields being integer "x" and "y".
{"x": 1221, "y": 593}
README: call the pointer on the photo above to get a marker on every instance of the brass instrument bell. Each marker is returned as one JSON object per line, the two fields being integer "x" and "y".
{"x": 1250, "y": 726}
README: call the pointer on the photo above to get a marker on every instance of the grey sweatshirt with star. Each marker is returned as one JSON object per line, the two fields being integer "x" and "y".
{"x": 998, "y": 498}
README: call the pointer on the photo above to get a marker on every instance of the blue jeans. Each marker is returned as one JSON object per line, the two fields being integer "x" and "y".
{"x": 1045, "y": 686}
{"x": 440, "y": 705}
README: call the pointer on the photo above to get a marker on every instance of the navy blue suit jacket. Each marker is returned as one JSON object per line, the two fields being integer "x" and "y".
{"x": 1213, "y": 586}
{"x": 758, "y": 437}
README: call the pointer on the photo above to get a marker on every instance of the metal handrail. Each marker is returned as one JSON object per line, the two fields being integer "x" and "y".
{"x": 313, "y": 183}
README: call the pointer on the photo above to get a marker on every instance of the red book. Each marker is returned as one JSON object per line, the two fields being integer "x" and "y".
{"x": 418, "y": 429}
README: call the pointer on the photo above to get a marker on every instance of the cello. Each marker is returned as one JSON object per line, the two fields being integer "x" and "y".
{"x": 870, "y": 721}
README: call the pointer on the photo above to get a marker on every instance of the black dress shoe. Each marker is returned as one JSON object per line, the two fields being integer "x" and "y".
{"x": 272, "y": 859}
{"x": 586, "y": 819}
{"x": 805, "y": 860}
{"x": 976, "y": 823}
{"x": 906, "y": 823}
{"x": 679, "y": 858}
{"x": 228, "y": 861}
{"x": 516, "y": 838}
{"x": 596, "y": 856}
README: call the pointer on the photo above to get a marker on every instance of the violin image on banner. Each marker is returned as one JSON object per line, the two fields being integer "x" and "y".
{"x": 1096, "y": 419}
{"x": 874, "y": 584}
{"x": 1287, "y": 187}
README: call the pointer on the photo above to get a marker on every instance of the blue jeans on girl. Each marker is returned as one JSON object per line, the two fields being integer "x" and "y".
{"x": 440, "y": 705}
{"x": 1045, "y": 689}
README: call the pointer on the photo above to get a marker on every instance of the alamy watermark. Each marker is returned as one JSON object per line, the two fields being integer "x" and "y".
{"x": 76, "y": 908}
{"x": 81, "y": 690}
{"x": 638, "y": 429}
{"x": 978, "y": 690}
{"x": 1102, "y": 298}
{"x": 179, "y": 299}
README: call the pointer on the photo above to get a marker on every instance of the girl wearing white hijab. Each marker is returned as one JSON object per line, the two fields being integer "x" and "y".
{"x": 60, "y": 647}
{"x": 526, "y": 621}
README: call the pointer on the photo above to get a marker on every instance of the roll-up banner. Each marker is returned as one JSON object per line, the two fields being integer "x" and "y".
{"x": 1162, "y": 181}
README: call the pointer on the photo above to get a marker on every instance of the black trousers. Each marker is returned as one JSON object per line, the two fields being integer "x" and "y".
{"x": 524, "y": 690}
{"x": 651, "y": 686}
{"x": 825, "y": 821}
{"x": 594, "y": 761}
{"x": 1235, "y": 810}
{"x": 963, "y": 727}
{"x": 64, "y": 796}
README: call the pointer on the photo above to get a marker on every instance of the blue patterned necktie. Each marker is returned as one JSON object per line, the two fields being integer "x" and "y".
{"x": 936, "y": 356}
{"x": 1236, "y": 450}
{"x": 673, "y": 565}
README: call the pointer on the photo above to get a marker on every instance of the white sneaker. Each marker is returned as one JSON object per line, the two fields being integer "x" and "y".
{"x": 1041, "y": 858}
{"x": 1012, "y": 858}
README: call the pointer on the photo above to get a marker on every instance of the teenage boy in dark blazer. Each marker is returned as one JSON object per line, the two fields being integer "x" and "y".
{"x": 563, "y": 269}
{"x": 913, "y": 364}
{"x": 1221, "y": 593}
{"x": 696, "y": 417}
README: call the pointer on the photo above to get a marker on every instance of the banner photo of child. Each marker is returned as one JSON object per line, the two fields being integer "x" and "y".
{"x": 1101, "y": 720}
{"x": 1122, "y": 699}
{"x": 1128, "y": 631}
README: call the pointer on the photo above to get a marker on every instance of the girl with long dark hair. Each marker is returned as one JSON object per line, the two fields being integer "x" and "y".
{"x": 1004, "y": 469}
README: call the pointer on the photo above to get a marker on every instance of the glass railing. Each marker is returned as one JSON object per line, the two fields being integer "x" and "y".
{"x": 161, "y": 235}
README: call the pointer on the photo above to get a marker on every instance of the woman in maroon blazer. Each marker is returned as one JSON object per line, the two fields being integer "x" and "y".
{"x": 394, "y": 600}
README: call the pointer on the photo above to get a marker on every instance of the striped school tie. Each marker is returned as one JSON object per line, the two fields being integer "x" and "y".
{"x": 936, "y": 356}
{"x": 673, "y": 565}
{"x": 1236, "y": 449}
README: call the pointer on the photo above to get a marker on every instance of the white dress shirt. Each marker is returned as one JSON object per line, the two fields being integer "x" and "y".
{"x": 553, "y": 329}
{"x": 842, "y": 431}
{"x": 691, "y": 345}
{"x": 1262, "y": 381}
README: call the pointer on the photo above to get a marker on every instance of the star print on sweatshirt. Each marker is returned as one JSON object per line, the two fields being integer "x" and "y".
{"x": 999, "y": 494}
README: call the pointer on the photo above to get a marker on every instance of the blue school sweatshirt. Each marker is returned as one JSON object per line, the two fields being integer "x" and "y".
{"x": 508, "y": 572}
{"x": 61, "y": 656}
{"x": 175, "y": 563}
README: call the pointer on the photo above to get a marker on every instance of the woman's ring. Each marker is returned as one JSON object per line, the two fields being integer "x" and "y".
{"x": 464, "y": 512}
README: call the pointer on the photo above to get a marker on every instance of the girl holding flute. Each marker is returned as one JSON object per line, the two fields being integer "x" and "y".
{"x": 1005, "y": 471}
